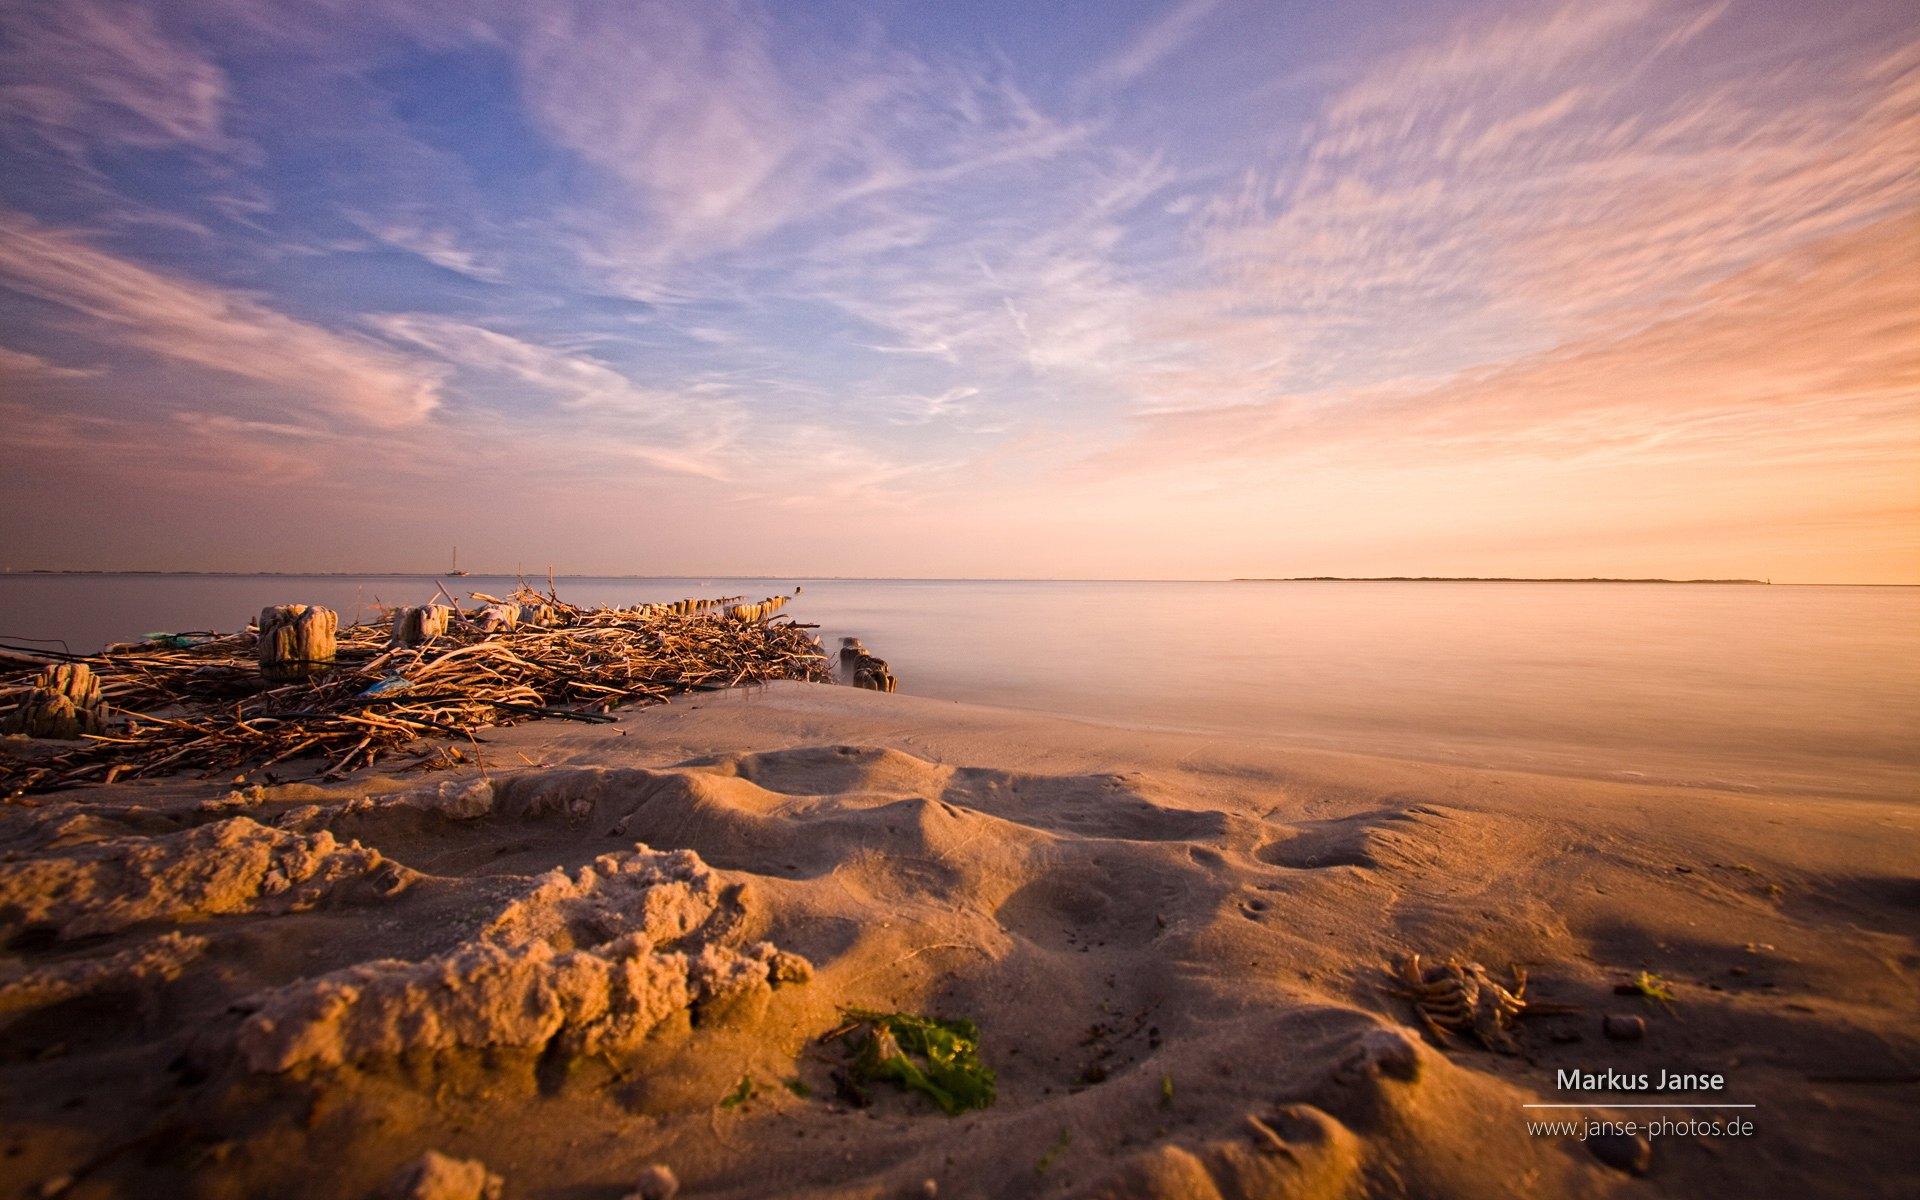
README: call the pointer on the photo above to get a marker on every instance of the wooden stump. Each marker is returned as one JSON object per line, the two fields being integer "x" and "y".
{"x": 296, "y": 640}
{"x": 64, "y": 702}
{"x": 873, "y": 674}
{"x": 863, "y": 670}
{"x": 412, "y": 626}
{"x": 497, "y": 618}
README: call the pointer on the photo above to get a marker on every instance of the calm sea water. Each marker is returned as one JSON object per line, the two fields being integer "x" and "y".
{"x": 1782, "y": 688}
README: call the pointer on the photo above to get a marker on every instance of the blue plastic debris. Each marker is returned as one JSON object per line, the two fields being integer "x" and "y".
{"x": 392, "y": 681}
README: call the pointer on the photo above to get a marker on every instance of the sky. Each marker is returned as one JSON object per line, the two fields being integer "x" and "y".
{"x": 1117, "y": 289}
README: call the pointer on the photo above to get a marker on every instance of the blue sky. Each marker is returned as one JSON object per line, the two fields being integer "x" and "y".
{"x": 1139, "y": 289}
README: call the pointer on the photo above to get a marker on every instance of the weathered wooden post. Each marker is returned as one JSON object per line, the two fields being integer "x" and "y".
{"x": 863, "y": 670}
{"x": 296, "y": 640}
{"x": 422, "y": 623}
{"x": 64, "y": 702}
{"x": 498, "y": 618}
{"x": 872, "y": 673}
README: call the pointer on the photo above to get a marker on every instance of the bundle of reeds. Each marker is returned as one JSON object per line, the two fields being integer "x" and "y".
{"x": 202, "y": 703}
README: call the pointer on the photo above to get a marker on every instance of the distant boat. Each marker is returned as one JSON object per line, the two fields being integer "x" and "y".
{"x": 457, "y": 572}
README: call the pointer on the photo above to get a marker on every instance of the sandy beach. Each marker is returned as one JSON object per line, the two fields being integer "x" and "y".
{"x": 605, "y": 949}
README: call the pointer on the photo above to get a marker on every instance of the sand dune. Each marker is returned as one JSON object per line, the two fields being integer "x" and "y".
{"x": 564, "y": 964}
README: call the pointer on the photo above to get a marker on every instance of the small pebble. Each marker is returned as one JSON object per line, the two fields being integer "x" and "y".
{"x": 1620, "y": 1027}
{"x": 435, "y": 1176}
{"x": 657, "y": 1182}
{"x": 1390, "y": 1052}
{"x": 1632, "y": 1155}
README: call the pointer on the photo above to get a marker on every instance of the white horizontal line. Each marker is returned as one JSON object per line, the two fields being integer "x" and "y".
{"x": 1603, "y": 1105}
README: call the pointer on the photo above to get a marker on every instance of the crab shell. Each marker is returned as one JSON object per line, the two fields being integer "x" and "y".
{"x": 1457, "y": 997}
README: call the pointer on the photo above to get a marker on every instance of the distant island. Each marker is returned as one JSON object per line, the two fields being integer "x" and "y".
{"x": 1475, "y": 579}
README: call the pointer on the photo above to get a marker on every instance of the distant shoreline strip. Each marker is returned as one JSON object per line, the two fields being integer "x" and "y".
{"x": 1478, "y": 579}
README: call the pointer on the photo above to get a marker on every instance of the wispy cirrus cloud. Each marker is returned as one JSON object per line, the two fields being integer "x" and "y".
{"x": 577, "y": 380}
{"x": 1534, "y": 176}
{"x": 1750, "y": 369}
{"x": 195, "y": 323}
{"x": 725, "y": 126}
{"x": 436, "y": 244}
{"x": 19, "y": 365}
{"x": 1151, "y": 45}
{"x": 664, "y": 428}
{"x": 105, "y": 71}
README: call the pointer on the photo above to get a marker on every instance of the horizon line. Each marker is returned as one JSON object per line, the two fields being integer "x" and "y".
{"x": 534, "y": 576}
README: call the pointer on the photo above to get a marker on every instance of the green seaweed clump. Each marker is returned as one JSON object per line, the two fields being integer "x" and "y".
{"x": 935, "y": 1056}
{"x": 1647, "y": 984}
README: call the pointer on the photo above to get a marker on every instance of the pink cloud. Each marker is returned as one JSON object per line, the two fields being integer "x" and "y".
{"x": 1550, "y": 174}
{"x": 1836, "y": 325}
{"x": 21, "y": 366}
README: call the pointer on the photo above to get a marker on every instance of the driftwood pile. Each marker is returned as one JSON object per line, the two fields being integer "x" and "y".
{"x": 248, "y": 701}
